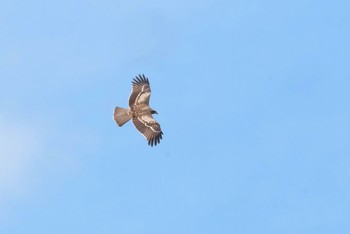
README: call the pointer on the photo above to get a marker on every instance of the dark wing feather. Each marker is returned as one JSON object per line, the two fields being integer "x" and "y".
{"x": 149, "y": 127}
{"x": 141, "y": 91}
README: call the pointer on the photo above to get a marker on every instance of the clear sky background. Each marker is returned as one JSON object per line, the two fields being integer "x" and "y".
{"x": 253, "y": 98}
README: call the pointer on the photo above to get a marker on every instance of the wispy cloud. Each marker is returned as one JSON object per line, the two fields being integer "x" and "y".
{"x": 20, "y": 146}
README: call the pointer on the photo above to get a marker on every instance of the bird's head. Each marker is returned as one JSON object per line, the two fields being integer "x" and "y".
{"x": 154, "y": 112}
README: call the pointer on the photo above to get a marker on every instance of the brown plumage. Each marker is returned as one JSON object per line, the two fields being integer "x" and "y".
{"x": 140, "y": 112}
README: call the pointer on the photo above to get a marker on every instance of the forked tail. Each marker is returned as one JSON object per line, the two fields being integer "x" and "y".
{"x": 121, "y": 116}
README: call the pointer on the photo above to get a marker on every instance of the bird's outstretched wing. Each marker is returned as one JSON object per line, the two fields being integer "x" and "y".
{"x": 141, "y": 91}
{"x": 149, "y": 127}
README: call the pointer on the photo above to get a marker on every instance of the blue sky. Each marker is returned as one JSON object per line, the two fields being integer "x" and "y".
{"x": 253, "y": 98}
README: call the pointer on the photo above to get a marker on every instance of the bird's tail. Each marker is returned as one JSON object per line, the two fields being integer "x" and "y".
{"x": 121, "y": 116}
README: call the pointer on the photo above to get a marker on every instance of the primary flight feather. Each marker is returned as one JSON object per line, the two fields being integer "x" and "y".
{"x": 140, "y": 112}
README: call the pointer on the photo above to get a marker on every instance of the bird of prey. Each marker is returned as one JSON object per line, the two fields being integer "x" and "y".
{"x": 140, "y": 112}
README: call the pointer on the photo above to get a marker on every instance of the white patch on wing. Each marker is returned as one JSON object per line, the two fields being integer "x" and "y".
{"x": 154, "y": 129}
{"x": 147, "y": 119}
{"x": 143, "y": 97}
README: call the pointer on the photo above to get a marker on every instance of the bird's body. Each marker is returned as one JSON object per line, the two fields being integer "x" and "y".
{"x": 140, "y": 112}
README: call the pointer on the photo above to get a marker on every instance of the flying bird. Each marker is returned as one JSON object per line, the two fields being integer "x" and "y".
{"x": 140, "y": 112}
